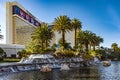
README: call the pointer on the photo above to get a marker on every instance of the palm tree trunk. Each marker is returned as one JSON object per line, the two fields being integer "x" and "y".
{"x": 75, "y": 38}
{"x": 94, "y": 48}
{"x": 90, "y": 46}
{"x": 46, "y": 44}
{"x": 42, "y": 45}
{"x": 86, "y": 46}
{"x": 63, "y": 37}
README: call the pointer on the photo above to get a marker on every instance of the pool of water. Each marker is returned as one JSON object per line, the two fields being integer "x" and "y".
{"x": 90, "y": 73}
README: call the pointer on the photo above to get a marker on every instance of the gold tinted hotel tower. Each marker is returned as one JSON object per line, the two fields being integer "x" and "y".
{"x": 19, "y": 24}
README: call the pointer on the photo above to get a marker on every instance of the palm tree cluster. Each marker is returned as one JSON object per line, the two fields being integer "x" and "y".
{"x": 87, "y": 38}
{"x": 43, "y": 35}
{"x": 64, "y": 24}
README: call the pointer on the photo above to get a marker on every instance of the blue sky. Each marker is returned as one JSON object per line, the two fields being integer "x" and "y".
{"x": 99, "y": 16}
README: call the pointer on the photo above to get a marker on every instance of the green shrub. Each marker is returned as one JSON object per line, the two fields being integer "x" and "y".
{"x": 88, "y": 56}
{"x": 47, "y": 49}
{"x": 64, "y": 53}
{"x": 22, "y": 53}
{"x": 2, "y": 54}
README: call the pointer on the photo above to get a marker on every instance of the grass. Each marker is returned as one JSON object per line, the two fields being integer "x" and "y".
{"x": 10, "y": 60}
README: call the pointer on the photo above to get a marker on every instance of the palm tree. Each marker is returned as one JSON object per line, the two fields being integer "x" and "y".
{"x": 99, "y": 40}
{"x": 42, "y": 35}
{"x": 37, "y": 36}
{"x": 62, "y": 24}
{"x": 114, "y": 46}
{"x": 48, "y": 34}
{"x": 1, "y": 36}
{"x": 76, "y": 24}
{"x": 92, "y": 40}
{"x": 95, "y": 40}
{"x": 80, "y": 41}
{"x": 86, "y": 39}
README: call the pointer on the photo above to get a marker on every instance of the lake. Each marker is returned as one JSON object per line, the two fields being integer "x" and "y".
{"x": 86, "y": 73}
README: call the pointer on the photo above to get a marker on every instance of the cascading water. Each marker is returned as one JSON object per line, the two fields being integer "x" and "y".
{"x": 37, "y": 58}
{"x": 96, "y": 60}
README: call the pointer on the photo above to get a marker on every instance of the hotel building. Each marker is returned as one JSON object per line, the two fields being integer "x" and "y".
{"x": 19, "y": 25}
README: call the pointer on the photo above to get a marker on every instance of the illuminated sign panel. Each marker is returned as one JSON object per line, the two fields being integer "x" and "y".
{"x": 24, "y": 15}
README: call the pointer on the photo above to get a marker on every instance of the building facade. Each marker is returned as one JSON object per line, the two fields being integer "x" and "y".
{"x": 19, "y": 24}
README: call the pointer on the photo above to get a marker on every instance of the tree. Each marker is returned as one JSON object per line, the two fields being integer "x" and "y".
{"x": 22, "y": 53}
{"x": 1, "y": 36}
{"x": 48, "y": 34}
{"x": 88, "y": 38}
{"x": 66, "y": 44}
{"x": 92, "y": 40}
{"x": 33, "y": 47}
{"x": 2, "y": 54}
{"x": 80, "y": 37}
{"x": 95, "y": 40}
{"x": 99, "y": 40}
{"x": 76, "y": 24}
{"x": 114, "y": 46}
{"x": 37, "y": 36}
{"x": 116, "y": 50}
{"x": 42, "y": 36}
{"x": 62, "y": 24}
{"x": 84, "y": 38}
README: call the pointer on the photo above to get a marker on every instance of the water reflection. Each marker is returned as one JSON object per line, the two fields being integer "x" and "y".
{"x": 92, "y": 73}
{"x": 110, "y": 73}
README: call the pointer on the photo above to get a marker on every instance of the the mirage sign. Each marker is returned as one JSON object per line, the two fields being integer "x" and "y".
{"x": 24, "y": 15}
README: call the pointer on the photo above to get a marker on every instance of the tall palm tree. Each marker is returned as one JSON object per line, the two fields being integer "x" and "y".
{"x": 80, "y": 41}
{"x": 87, "y": 38}
{"x": 42, "y": 35}
{"x": 95, "y": 40}
{"x": 99, "y": 40}
{"x": 92, "y": 40}
{"x": 84, "y": 38}
{"x": 62, "y": 24}
{"x": 37, "y": 36}
{"x": 76, "y": 24}
{"x": 48, "y": 34}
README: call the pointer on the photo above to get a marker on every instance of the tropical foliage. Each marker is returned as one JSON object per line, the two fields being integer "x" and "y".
{"x": 41, "y": 37}
{"x": 64, "y": 53}
{"x": 2, "y": 54}
{"x": 1, "y": 36}
{"x": 114, "y": 46}
{"x": 76, "y": 25}
{"x": 66, "y": 44}
{"x": 88, "y": 39}
{"x": 62, "y": 24}
{"x": 116, "y": 50}
{"x": 22, "y": 53}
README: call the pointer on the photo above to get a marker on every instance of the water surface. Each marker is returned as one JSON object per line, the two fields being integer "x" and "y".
{"x": 90, "y": 73}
